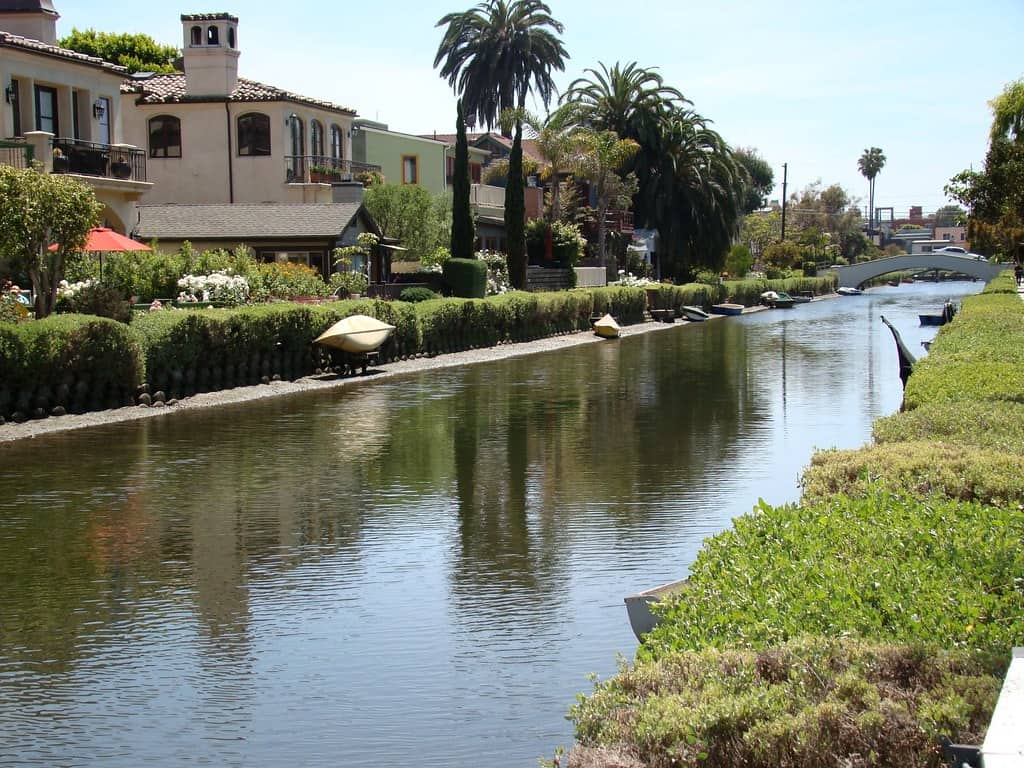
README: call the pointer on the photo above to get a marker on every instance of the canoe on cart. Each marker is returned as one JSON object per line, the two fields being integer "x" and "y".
{"x": 356, "y": 334}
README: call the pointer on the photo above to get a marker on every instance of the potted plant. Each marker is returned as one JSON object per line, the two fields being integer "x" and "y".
{"x": 323, "y": 174}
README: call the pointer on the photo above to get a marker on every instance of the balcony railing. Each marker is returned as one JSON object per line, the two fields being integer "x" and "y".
{"x": 311, "y": 169}
{"x": 105, "y": 160}
{"x": 16, "y": 153}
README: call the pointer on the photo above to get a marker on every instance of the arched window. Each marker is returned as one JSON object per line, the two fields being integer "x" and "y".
{"x": 337, "y": 147}
{"x": 316, "y": 140}
{"x": 254, "y": 134}
{"x": 212, "y": 36}
{"x": 297, "y": 136}
{"x": 196, "y": 35}
{"x": 231, "y": 37}
{"x": 164, "y": 136}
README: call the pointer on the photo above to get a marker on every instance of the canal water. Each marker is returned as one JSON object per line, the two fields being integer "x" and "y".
{"x": 419, "y": 571}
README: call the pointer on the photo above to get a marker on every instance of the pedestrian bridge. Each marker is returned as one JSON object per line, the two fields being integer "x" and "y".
{"x": 855, "y": 275}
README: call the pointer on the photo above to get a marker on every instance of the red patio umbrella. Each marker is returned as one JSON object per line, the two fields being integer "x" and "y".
{"x": 105, "y": 240}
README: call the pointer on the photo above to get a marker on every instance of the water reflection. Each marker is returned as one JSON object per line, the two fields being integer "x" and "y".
{"x": 418, "y": 571}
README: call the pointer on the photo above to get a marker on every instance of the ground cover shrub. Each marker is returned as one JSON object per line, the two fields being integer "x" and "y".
{"x": 467, "y": 278}
{"x": 102, "y": 301}
{"x": 809, "y": 702}
{"x": 984, "y": 424}
{"x": 416, "y": 294}
{"x": 1004, "y": 283}
{"x": 75, "y": 362}
{"x": 978, "y": 357}
{"x": 285, "y": 281}
{"x": 885, "y": 566}
{"x": 952, "y": 470}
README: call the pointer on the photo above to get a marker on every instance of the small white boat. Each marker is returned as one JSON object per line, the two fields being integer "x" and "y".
{"x": 695, "y": 314}
{"x": 638, "y": 606}
{"x": 606, "y": 327}
{"x": 356, "y": 334}
{"x": 847, "y": 291}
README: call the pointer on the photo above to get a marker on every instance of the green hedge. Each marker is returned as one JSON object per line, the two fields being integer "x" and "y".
{"x": 181, "y": 353}
{"x": 748, "y": 292}
{"x": 467, "y": 278}
{"x": 75, "y": 362}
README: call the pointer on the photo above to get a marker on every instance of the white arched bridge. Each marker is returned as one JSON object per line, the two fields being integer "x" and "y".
{"x": 855, "y": 275}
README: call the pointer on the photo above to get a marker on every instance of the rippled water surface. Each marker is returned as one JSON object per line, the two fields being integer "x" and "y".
{"x": 414, "y": 572}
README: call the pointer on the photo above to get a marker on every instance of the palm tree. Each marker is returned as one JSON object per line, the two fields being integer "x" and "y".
{"x": 870, "y": 165}
{"x": 496, "y": 52}
{"x": 556, "y": 139}
{"x": 602, "y": 156}
{"x": 493, "y": 55}
{"x": 700, "y": 210}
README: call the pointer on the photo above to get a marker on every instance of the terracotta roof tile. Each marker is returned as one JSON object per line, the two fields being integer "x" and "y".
{"x": 170, "y": 89}
{"x": 36, "y": 46}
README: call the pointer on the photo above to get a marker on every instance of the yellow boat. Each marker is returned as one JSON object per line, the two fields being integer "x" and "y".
{"x": 607, "y": 328}
{"x": 356, "y": 333}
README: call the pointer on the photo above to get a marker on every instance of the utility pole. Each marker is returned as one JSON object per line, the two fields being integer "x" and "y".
{"x": 784, "y": 171}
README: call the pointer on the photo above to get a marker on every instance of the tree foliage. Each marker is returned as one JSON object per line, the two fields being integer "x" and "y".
{"x": 137, "y": 52}
{"x": 410, "y": 214}
{"x": 994, "y": 196}
{"x": 37, "y": 210}
{"x": 463, "y": 236}
{"x": 690, "y": 184}
{"x": 496, "y": 52}
{"x": 601, "y": 161}
{"x": 760, "y": 179}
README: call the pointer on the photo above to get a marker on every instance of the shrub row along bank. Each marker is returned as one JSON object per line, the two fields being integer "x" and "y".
{"x": 902, "y": 565}
{"x": 78, "y": 363}
{"x": 746, "y": 292}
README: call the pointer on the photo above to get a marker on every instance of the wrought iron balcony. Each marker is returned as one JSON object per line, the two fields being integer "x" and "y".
{"x": 313, "y": 169}
{"x": 105, "y": 160}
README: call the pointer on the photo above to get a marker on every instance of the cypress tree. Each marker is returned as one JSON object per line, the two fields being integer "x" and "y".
{"x": 515, "y": 213}
{"x": 462, "y": 215}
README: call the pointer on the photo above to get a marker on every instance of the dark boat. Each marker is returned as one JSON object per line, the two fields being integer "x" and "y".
{"x": 727, "y": 309}
{"x": 941, "y": 318}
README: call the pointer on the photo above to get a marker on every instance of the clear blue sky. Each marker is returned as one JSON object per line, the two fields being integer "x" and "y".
{"x": 811, "y": 83}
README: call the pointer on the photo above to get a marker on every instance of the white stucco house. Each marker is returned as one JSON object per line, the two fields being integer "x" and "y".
{"x": 214, "y": 137}
{"x": 63, "y": 109}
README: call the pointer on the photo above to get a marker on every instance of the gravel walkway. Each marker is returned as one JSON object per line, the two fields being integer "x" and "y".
{"x": 35, "y": 428}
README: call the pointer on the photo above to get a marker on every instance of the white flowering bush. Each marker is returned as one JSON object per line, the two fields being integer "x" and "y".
{"x": 630, "y": 280}
{"x": 498, "y": 281}
{"x": 66, "y": 290}
{"x": 217, "y": 286}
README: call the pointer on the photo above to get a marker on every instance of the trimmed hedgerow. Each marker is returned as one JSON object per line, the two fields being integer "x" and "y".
{"x": 626, "y": 303}
{"x": 748, "y": 292}
{"x": 76, "y": 362}
{"x": 985, "y": 424}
